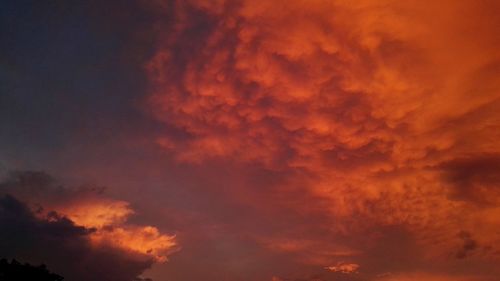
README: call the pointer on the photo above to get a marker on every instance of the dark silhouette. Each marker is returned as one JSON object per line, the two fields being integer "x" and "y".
{"x": 57, "y": 241}
{"x": 15, "y": 271}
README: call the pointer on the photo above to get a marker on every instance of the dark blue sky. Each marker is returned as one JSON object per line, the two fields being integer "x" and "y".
{"x": 68, "y": 68}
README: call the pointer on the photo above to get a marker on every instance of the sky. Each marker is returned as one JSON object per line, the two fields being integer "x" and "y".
{"x": 251, "y": 140}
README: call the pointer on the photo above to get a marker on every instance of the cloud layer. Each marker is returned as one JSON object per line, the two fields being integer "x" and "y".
{"x": 381, "y": 112}
{"x": 77, "y": 232}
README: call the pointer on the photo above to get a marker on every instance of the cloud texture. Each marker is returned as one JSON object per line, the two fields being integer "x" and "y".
{"x": 325, "y": 140}
{"x": 77, "y": 232}
{"x": 381, "y": 113}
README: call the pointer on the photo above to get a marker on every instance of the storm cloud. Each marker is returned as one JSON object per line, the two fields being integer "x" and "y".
{"x": 382, "y": 114}
{"x": 326, "y": 140}
{"x": 31, "y": 233}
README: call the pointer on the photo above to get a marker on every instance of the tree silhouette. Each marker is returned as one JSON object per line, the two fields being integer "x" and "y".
{"x": 15, "y": 271}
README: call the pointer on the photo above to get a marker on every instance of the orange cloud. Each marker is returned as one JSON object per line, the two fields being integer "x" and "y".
{"x": 146, "y": 240}
{"x": 430, "y": 277}
{"x": 87, "y": 207}
{"x": 313, "y": 252}
{"x": 373, "y": 107}
{"x": 97, "y": 213}
{"x": 48, "y": 222}
{"x": 344, "y": 267}
{"x": 109, "y": 219}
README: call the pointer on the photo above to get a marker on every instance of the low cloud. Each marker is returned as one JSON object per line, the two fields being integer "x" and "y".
{"x": 430, "y": 277}
{"x": 81, "y": 237}
{"x": 344, "y": 267}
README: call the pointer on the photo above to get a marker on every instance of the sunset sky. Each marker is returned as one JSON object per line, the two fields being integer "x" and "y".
{"x": 251, "y": 140}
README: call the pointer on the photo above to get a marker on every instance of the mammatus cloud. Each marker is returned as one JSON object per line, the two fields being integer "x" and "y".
{"x": 386, "y": 112}
{"x": 52, "y": 223}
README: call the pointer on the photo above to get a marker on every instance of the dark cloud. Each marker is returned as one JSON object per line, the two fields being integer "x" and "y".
{"x": 31, "y": 233}
{"x": 468, "y": 246}
{"x": 41, "y": 190}
{"x": 474, "y": 178}
{"x": 63, "y": 246}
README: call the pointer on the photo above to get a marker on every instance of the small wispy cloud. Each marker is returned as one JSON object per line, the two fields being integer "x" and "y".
{"x": 344, "y": 267}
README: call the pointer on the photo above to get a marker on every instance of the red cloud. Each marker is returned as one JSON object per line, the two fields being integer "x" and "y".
{"x": 87, "y": 208}
{"x": 362, "y": 104}
{"x": 344, "y": 267}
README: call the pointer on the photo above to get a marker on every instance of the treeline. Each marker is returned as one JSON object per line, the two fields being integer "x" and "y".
{"x": 16, "y": 271}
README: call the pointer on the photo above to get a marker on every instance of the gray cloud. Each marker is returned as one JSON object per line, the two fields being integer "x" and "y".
{"x": 55, "y": 240}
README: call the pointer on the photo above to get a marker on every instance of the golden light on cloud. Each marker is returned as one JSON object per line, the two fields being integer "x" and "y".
{"x": 386, "y": 110}
{"x": 108, "y": 218}
{"x": 285, "y": 140}
{"x": 145, "y": 240}
{"x": 343, "y": 267}
{"x": 44, "y": 220}
{"x": 97, "y": 213}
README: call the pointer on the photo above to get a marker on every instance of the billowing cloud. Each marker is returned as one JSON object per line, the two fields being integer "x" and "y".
{"x": 96, "y": 212}
{"x": 109, "y": 218}
{"x": 53, "y": 223}
{"x": 291, "y": 135}
{"x": 65, "y": 247}
{"x": 382, "y": 112}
